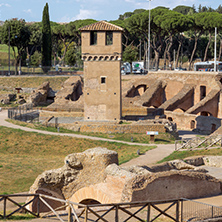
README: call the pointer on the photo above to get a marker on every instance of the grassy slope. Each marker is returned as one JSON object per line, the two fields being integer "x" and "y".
{"x": 162, "y": 138}
{"x": 24, "y": 155}
{"x": 4, "y": 52}
{"x": 183, "y": 154}
{"x": 32, "y": 81}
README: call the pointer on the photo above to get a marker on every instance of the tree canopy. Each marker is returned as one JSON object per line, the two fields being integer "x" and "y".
{"x": 46, "y": 40}
{"x": 19, "y": 37}
{"x": 185, "y": 29}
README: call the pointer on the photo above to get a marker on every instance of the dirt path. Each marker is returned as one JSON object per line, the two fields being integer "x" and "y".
{"x": 152, "y": 156}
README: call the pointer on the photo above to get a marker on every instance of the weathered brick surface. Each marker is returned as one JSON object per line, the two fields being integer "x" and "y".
{"x": 115, "y": 128}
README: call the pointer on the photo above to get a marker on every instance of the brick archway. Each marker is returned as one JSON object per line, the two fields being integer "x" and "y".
{"x": 90, "y": 193}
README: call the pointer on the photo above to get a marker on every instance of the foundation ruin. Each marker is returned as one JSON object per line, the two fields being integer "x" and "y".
{"x": 94, "y": 176}
{"x": 191, "y": 99}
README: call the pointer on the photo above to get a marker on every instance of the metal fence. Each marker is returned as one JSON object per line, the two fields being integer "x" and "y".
{"x": 196, "y": 211}
{"x": 198, "y": 143}
{"x": 24, "y": 113}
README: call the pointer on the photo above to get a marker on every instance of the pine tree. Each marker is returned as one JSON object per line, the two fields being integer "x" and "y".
{"x": 46, "y": 40}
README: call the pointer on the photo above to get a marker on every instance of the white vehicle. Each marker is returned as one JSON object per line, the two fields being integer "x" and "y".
{"x": 126, "y": 68}
{"x": 207, "y": 66}
{"x": 138, "y": 67}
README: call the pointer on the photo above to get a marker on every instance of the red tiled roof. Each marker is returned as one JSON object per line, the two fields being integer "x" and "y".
{"x": 101, "y": 26}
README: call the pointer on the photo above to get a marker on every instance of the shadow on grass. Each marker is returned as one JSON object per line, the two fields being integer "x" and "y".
{"x": 162, "y": 141}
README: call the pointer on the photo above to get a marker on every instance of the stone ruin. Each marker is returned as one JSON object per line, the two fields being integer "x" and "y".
{"x": 190, "y": 99}
{"x": 69, "y": 98}
{"x": 94, "y": 176}
{"x": 43, "y": 95}
{"x": 7, "y": 98}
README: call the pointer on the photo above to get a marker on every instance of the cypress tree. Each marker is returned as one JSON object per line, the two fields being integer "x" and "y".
{"x": 46, "y": 40}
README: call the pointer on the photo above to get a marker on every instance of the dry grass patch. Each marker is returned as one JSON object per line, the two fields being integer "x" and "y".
{"x": 32, "y": 81}
{"x": 161, "y": 138}
{"x": 24, "y": 155}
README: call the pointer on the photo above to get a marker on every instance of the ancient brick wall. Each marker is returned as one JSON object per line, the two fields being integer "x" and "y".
{"x": 114, "y": 128}
{"x": 190, "y": 121}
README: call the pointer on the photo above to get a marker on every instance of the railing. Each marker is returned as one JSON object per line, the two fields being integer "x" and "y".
{"x": 176, "y": 210}
{"x": 8, "y": 198}
{"x": 137, "y": 211}
{"x": 198, "y": 143}
{"x": 23, "y": 113}
{"x": 197, "y": 211}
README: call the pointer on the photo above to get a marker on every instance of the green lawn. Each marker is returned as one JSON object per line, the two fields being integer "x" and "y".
{"x": 4, "y": 55}
{"x": 183, "y": 154}
{"x": 32, "y": 81}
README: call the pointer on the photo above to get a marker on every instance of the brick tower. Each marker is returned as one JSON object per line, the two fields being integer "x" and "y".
{"x": 101, "y": 53}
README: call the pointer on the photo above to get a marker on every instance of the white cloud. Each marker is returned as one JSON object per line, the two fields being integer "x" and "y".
{"x": 5, "y": 4}
{"x": 28, "y": 11}
{"x": 85, "y": 14}
{"x": 135, "y": 4}
{"x": 67, "y": 19}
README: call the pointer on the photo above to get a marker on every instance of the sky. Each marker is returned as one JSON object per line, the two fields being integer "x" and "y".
{"x": 71, "y": 10}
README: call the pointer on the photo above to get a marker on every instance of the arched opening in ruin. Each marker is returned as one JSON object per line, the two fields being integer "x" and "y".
{"x": 141, "y": 89}
{"x": 170, "y": 118}
{"x": 137, "y": 91}
{"x": 202, "y": 92}
{"x": 91, "y": 195}
{"x": 205, "y": 113}
{"x": 132, "y": 92}
{"x": 89, "y": 202}
{"x": 178, "y": 110}
{"x": 192, "y": 124}
{"x": 76, "y": 93}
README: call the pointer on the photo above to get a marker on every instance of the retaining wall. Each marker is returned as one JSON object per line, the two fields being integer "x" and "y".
{"x": 114, "y": 128}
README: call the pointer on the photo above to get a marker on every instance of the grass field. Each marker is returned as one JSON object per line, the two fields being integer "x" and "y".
{"x": 4, "y": 56}
{"x": 32, "y": 81}
{"x": 183, "y": 154}
{"x": 24, "y": 155}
